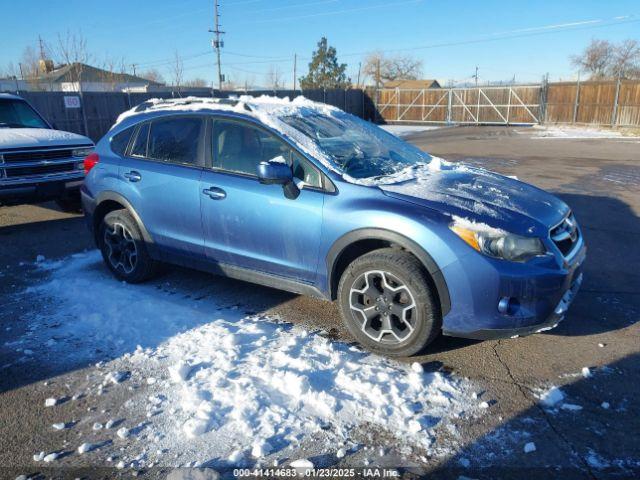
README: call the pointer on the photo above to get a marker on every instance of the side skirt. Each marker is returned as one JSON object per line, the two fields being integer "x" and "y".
{"x": 243, "y": 274}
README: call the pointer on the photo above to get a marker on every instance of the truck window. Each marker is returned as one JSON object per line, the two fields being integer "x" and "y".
{"x": 19, "y": 114}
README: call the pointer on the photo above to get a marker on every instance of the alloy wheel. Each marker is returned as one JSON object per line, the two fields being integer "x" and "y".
{"x": 122, "y": 251}
{"x": 384, "y": 306}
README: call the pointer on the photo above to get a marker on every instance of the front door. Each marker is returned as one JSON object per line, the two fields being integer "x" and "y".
{"x": 254, "y": 226}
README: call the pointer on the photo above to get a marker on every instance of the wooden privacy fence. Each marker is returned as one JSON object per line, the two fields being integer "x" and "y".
{"x": 615, "y": 103}
{"x": 612, "y": 103}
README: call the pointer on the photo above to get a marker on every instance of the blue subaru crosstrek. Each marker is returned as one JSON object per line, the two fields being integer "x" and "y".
{"x": 303, "y": 197}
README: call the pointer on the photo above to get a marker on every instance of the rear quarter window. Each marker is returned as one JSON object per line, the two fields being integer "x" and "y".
{"x": 120, "y": 141}
{"x": 139, "y": 147}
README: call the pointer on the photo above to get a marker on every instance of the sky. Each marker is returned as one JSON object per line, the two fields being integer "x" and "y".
{"x": 525, "y": 39}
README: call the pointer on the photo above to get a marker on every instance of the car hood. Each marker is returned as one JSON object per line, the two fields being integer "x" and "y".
{"x": 11, "y": 138}
{"x": 480, "y": 195}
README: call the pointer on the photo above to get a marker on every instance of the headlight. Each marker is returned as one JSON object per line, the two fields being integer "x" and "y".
{"x": 498, "y": 243}
{"x": 81, "y": 152}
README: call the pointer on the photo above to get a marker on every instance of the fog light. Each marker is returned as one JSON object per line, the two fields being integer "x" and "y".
{"x": 508, "y": 305}
{"x": 503, "y": 305}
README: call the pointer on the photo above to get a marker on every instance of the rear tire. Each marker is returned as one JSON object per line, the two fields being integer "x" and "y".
{"x": 123, "y": 248}
{"x": 387, "y": 303}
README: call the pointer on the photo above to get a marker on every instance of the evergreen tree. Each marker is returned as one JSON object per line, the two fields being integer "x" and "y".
{"x": 324, "y": 69}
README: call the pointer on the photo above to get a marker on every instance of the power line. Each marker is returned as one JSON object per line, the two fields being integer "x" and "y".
{"x": 331, "y": 12}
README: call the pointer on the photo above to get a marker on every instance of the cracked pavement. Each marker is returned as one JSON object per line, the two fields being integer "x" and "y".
{"x": 597, "y": 178}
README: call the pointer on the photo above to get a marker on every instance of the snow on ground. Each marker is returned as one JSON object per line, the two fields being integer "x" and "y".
{"x": 571, "y": 132}
{"x": 218, "y": 386}
{"x": 406, "y": 130}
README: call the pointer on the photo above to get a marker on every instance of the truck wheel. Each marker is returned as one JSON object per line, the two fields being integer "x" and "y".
{"x": 123, "y": 248}
{"x": 387, "y": 303}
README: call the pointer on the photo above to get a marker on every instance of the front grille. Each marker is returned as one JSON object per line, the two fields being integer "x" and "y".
{"x": 39, "y": 170}
{"x": 36, "y": 155}
{"x": 566, "y": 235}
{"x": 31, "y": 163}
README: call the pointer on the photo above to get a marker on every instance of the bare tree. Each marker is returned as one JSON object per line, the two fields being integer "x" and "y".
{"x": 274, "y": 77}
{"x": 596, "y": 59}
{"x": 72, "y": 50}
{"x": 9, "y": 71}
{"x": 197, "y": 83}
{"x": 382, "y": 68}
{"x": 232, "y": 82}
{"x": 110, "y": 74}
{"x": 626, "y": 59}
{"x": 177, "y": 70}
{"x": 153, "y": 75}
{"x": 29, "y": 63}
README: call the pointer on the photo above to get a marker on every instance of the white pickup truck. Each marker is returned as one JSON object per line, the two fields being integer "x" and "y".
{"x": 38, "y": 162}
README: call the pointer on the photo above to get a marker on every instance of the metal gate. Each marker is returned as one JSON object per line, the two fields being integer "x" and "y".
{"x": 512, "y": 105}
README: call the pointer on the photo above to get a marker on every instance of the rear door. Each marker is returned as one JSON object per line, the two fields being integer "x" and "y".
{"x": 161, "y": 174}
{"x": 253, "y": 226}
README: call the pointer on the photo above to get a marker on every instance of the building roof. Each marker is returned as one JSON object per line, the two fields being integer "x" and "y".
{"x": 87, "y": 73}
{"x": 412, "y": 84}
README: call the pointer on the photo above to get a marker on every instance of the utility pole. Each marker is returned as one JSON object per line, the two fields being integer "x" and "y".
{"x": 359, "y": 68}
{"x": 295, "y": 64}
{"x": 133, "y": 66}
{"x": 476, "y": 76}
{"x": 217, "y": 43}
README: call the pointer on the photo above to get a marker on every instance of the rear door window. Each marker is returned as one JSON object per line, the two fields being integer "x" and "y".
{"x": 175, "y": 140}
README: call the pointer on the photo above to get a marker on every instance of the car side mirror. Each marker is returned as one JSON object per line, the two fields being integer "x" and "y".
{"x": 274, "y": 172}
{"x": 278, "y": 172}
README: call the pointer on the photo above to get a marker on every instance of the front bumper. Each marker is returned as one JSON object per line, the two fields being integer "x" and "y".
{"x": 551, "y": 322}
{"x": 541, "y": 291}
{"x": 41, "y": 188}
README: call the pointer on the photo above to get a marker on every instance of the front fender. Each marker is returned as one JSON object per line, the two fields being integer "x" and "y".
{"x": 425, "y": 258}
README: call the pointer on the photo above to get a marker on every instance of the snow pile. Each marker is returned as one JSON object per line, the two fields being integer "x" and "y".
{"x": 235, "y": 386}
{"x": 569, "y": 132}
{"x": 261, "y": 380}
{"x": 406, "y": 130}
{"x": 478, "y": 227}
{"x": 551, "y": 397}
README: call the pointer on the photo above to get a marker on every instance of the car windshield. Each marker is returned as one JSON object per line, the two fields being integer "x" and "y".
{"x": 18, "y": 114}
{"x": 357, "y": 148}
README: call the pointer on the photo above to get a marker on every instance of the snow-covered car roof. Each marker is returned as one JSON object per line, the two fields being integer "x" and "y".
{"x": 245, "y": 104}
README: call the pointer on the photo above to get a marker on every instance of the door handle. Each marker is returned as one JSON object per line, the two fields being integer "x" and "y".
{"x": 133, "y": 176}
{"x": 215, "y": 193}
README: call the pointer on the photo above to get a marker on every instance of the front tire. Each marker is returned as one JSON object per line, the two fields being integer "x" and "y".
{"x": 387, "y": 303}
{"x": 123, "y": 248}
